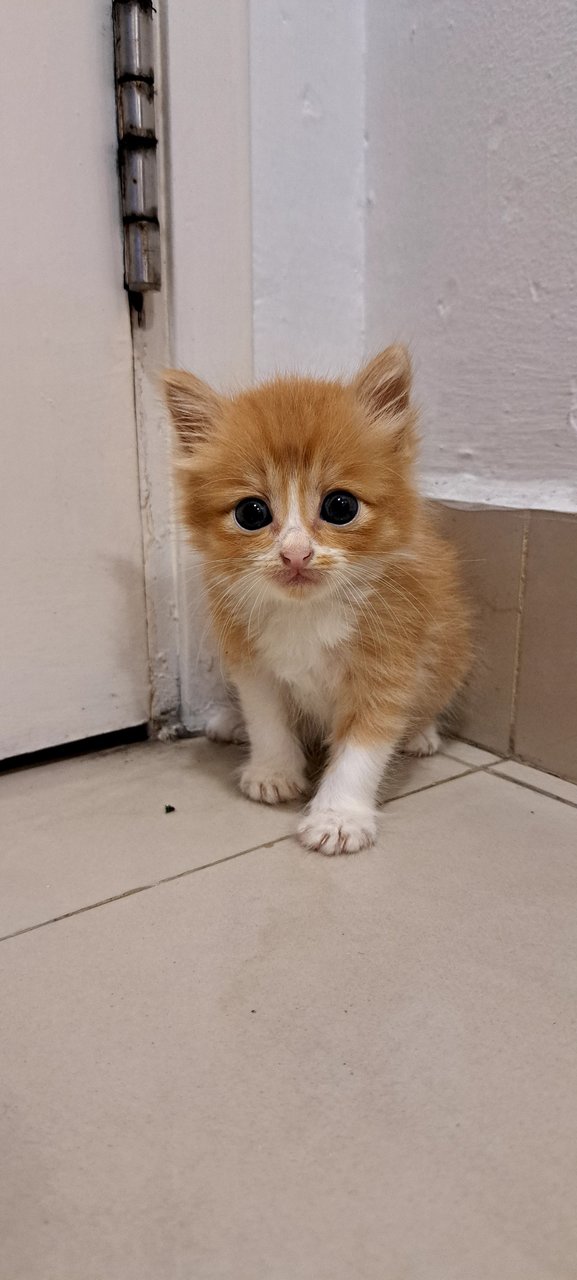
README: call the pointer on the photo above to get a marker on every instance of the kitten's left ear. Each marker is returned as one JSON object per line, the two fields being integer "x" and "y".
{"x": 193, "y": 405}
{"x": 384, "y": 385}
{"x": 384, "y": 389}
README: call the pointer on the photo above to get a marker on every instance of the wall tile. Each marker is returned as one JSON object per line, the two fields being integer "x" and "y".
{"x": 490, "y": 545}
{"x": 546, "y": 719}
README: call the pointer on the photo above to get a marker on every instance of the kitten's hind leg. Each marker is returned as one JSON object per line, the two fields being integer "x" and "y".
{"x": 424, "y": 743}
{"x": 225, "y": 724}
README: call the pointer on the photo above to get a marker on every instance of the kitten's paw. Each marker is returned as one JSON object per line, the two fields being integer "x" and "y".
{"x": 272, "y": 787}
{"x": 329, "y": 831}
{"x": 225, "y": 724}
{"x": 426, "y": 743}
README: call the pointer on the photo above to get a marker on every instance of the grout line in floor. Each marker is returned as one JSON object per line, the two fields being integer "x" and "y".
{"x": 529, "y": 786}
{"x": 269, "y": 844}
{"x": 439, "y": 782}
{"x": 205, "y": 866}
{"x": 143, "y": 888}
{"x": 488, "y": 764}
{"x": 489, "y": 767}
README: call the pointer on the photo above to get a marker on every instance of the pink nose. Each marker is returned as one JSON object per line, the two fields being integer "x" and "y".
{"x": 296, "y": 557}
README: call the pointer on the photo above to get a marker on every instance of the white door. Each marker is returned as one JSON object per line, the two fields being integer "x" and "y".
{"x": 73, "y": 648}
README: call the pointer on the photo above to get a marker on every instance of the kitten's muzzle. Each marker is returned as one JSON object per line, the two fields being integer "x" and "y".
{"x": 296, "y": 554}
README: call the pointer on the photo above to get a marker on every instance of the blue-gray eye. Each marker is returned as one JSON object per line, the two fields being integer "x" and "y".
{"x": 339, "y": 507}
{"x": 252, "y": 514}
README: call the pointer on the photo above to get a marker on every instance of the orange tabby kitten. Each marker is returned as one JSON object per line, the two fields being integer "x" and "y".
{"x": 335, "y": 602}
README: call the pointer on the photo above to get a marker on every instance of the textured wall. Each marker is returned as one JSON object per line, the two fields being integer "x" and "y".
{"x": 307, "y": 121}
{"x": 472, "y": 235}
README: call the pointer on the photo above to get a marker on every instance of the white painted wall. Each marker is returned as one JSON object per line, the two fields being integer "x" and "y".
{"x": 414, "y": 175}
{"x": 211, "y": 287}
{"x": 472, "y": 235}
{"x": 308, "y": 184}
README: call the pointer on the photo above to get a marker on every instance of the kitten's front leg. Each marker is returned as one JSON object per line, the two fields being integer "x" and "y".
{"x": 342, "y": 817}
{"x": 276, "y": 770}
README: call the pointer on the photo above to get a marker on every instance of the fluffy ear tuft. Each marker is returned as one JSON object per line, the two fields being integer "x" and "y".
{"x": 193, "y": 405}
{"x": 384, "y": 385}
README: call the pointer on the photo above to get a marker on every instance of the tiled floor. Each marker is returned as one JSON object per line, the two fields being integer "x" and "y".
{"x": 223, "y": 1058}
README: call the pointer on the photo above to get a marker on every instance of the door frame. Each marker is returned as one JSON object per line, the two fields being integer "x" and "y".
{"x": 201, "y": 319}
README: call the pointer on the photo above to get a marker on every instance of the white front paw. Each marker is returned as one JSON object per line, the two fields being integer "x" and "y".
{"x": 270, "y": 786}
{"x": 331, "y": 831}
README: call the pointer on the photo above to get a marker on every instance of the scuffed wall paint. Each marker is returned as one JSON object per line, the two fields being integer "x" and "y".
{"x": 472, "y": 236}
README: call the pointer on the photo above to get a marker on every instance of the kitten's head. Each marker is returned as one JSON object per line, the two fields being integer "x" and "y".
{"x": 298, "y": 487}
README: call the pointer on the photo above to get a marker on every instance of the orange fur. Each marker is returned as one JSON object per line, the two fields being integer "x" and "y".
{"x": 401, "y": 629}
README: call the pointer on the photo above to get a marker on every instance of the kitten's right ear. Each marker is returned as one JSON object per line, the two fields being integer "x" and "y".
{"x": 193, "y": 405}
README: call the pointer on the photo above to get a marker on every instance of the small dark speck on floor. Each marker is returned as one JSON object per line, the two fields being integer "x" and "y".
{"x": 169, "y": 808}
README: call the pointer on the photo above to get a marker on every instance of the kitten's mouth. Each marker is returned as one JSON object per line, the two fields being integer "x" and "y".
{"x": 292, "y": 578}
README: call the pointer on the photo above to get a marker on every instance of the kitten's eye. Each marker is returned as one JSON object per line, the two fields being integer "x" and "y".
{"x": 252, "y": 514}
{"x": 339, "y": 507}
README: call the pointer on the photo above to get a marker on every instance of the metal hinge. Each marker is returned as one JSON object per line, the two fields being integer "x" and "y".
{"x": 137, "y": 144}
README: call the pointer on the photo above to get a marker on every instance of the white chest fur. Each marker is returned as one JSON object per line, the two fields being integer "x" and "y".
{"x": 302, "y": 646}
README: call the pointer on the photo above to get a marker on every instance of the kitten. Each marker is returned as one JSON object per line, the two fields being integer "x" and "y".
{"x": 334, "y": 600}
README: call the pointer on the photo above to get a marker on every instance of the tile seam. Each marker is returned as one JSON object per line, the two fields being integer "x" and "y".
{"x": 218, "y": 862}
{"x": 530, "y": 786}
{"x": 519, "y": 632}
{"x": 142, "y": 888}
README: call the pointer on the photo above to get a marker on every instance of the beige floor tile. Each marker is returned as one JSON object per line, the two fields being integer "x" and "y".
{"x": 468, "y": 754}
{"x": 413, "y": 773}
{"x": 294, "y": 1067}
{"x": 538, "y": 780}
{"x": 82, "y": 830}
